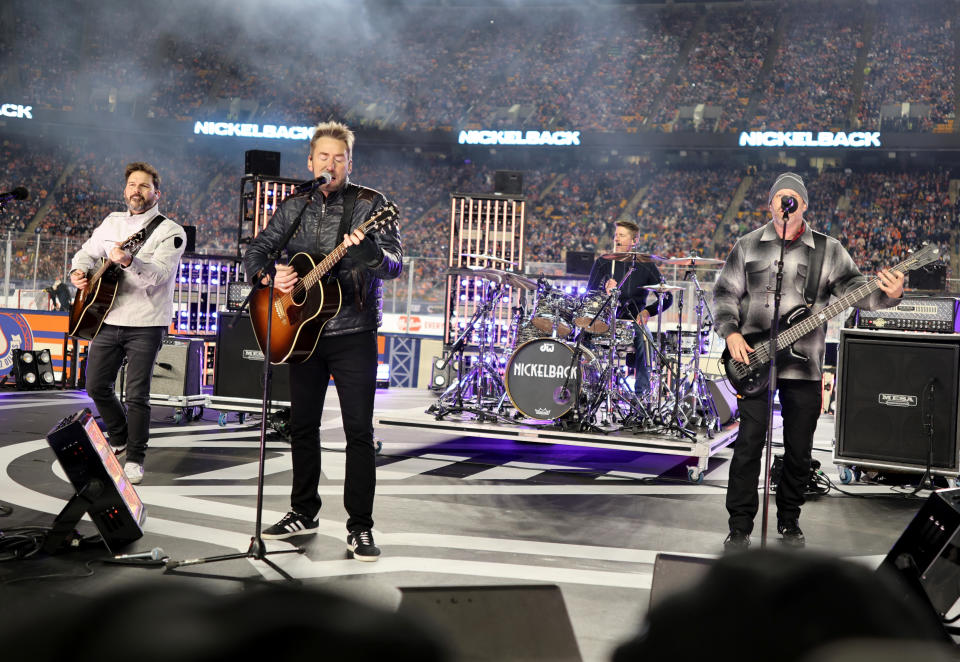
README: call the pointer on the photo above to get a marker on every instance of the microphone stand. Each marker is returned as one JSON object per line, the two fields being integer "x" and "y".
{"x": 257, "y": 549}
{"x": 772, "y": 390}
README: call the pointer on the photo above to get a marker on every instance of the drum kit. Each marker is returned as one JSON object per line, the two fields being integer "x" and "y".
{"x": 565, "y": 362}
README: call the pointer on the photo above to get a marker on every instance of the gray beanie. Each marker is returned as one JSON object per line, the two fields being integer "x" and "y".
{"x": 790, "y": 180}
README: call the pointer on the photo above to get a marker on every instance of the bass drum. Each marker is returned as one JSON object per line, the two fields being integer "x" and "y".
{"x": 544, "y": 380}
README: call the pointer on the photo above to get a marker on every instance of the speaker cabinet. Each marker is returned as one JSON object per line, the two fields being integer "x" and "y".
{"x": 238, "y": 372}
{"x": 178, "y": 367}
{"x": 891, "y": 386}
{"x": 579, "y": 262}
{"x": 926, "y": 553}
{"x": 673, "y": 573}
{"x": 724, "y": 399}
{"x": 509, "y": 182}
{"x": 261, "y": 162}
{"x": 496, "y": 622}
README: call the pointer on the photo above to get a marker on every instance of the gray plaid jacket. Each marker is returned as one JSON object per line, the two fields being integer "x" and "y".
{"x": 743, "y": 294}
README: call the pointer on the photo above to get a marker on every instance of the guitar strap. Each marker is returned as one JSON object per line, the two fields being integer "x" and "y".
{"x": 815, "y": 267}
{"x": 353, "y": 191}
{"x": 151, "y": 226}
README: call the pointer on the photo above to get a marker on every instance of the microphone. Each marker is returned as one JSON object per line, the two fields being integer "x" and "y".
{"x": 154, "y": 554}
{"x": 313, "y": 184}
{"x": 19, "y": 193}
{"x": 788, "y": 204}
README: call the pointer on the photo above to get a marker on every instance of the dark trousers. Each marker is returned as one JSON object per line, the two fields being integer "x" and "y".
{"x": 800, "y": 408}
{"x": 352, "y": 361}
{"x": 140, "y": 345}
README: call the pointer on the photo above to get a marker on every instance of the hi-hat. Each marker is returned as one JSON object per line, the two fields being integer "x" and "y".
{"x": 631, "y": 256}
{"x": 477, "y": 256}
{"x": 693, "y": 261}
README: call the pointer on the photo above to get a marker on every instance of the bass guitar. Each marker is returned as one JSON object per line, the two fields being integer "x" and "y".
{"x": 92, "y": 303}
{"x": 298, "y": 317}
{"x": 753, "y": 378}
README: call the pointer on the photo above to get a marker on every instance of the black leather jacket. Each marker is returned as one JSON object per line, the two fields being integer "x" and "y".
{"x": 361, "y": 285}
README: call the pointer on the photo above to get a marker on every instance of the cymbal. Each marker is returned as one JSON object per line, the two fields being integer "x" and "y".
{"x": 495, "y": 275}
{"x": 662, "y": 288}
{"x": 693, "y": 261}
{"x": 476, "y": 256}
{"x": 631, "y": 256}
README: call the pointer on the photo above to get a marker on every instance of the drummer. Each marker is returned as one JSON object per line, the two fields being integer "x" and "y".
{"x": 607, "y": 274}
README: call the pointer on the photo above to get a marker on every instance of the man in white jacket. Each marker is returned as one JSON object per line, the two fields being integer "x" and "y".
{"x": 134, "y": 327}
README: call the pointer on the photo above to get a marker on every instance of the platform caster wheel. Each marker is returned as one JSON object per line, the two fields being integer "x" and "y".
{"x": 222, "y": 419}
{"x": 846, "y": 475}
{"x": 379, "y": 445}
{"x": 695, "y": 475}
{"x": 242, "y": 417}
{"x": 178, "y": 417}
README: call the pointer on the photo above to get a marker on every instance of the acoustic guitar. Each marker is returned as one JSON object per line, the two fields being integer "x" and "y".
{"x": 298, "y": 317}
{"x": 92, "y": 303}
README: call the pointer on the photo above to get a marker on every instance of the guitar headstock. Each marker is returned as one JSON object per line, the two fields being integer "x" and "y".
{"x": 384, "y": 217}
{"x": 925, "y": 255}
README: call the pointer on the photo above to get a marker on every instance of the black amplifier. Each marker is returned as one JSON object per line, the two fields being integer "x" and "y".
{"x": 937, "y": 314}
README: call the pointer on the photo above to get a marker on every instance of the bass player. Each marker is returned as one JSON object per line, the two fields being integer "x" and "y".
{"x": 743, "y": 305}
{"x": 347, "y": 348}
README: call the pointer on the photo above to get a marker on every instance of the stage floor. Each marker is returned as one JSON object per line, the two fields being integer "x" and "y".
{"x": 452, "y": 509}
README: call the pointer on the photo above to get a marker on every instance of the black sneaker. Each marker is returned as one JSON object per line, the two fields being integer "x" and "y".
{"x": 360, "y": 542}
{"x": 791, "y": 533}
{"x": 292, "y": 524}
{"x": 737, "y": 541}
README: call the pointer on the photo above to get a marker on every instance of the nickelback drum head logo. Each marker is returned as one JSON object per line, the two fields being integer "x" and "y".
{"x": 15, "y": 333}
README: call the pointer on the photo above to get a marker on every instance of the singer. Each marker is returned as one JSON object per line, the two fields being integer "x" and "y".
{"x": 743, "y": 305}
{"x": 347, "y": 346}
{"x": 606, "y": 274}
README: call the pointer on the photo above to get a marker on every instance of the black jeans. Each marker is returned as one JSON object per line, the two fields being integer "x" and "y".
{"x": 352, "y": 361}
{"x": 800, "y": 401}
{"x": 140, "y": 345}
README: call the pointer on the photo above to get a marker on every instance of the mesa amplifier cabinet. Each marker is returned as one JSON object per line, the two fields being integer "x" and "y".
{"x": 937, "y": 314}
{"x": 238, "y": 372}
{"x": 892, "y": 385}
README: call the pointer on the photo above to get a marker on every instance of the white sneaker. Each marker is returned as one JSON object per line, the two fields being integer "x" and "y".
{"x": 134, "y": 472}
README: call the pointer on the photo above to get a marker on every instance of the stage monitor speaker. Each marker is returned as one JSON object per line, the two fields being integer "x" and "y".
{"x": 890, "y": 384}
{"x": 238, "y": 372}
{"x": 925, "y": 555}
{"x": 724, "y": 399}
{"x": 191, "y": 232}
{"x": 509, "y": 182}
{"x": 527, "y": 622}
{"x": 673, "y": 573}
{"x": 261, "y": 162}
{"x": 580, "y": 262}
{"x": 102, "y": 488}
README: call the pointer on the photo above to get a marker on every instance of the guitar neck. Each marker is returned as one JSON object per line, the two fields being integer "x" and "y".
{"x": 805, "y": 326}
{"x": 324, "y": 266}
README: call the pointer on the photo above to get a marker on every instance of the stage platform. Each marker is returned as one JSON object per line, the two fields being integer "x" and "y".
{"x": 457, "y": 505}
{"x": 699, "y": 445}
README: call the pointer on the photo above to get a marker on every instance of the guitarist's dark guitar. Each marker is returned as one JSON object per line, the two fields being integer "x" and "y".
{"x": 753, "y": 379}
{"x": 92, "y": 303}
{"x": 300, "y": 315}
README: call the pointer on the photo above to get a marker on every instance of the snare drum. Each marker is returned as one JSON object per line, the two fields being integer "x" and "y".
{"x": 590, "y": 305}
{"x": 544, "y": 381}
{"x": 624, "y": 333}
{"x": 554, "y": 308}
